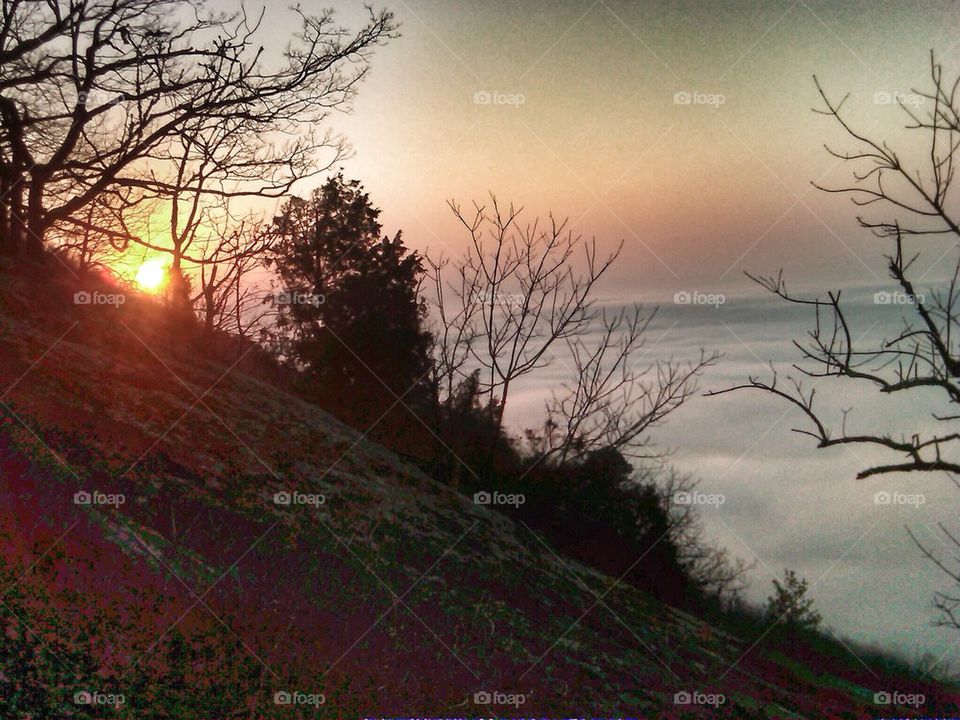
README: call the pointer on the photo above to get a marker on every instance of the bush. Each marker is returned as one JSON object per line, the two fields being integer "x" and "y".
{"x": 789, "y": 604}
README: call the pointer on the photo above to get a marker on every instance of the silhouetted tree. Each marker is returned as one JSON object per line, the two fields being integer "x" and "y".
{"x": 517, "y": 294}
{"x": 516, "y": 297}
{"x": 98, "y": 98}
{"x": 470, "y": 438}
{"x": 225, "y": 299}
{"x": 711, "y": 570}
{"x": 924, "y": 355}
{"x": 789, "y": 605}
{"x": 85, "y": 244}
{"x": 922, "y": 360}
{"x": 349, "y": 309}
{"x": 626, "y": 523}
{"x": 612, "y": 401}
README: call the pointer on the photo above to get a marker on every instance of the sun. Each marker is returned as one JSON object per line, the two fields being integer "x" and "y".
{"x": 151, "y": 275}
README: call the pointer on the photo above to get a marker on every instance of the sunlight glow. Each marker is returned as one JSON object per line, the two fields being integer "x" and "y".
{"x": 151, "y": 275}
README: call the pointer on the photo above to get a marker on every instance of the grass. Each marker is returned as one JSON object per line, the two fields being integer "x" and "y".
{"x": 397, "y": 596}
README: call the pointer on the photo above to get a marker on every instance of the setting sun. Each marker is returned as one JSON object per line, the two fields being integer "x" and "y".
{"x": 533, "y": 292}
{"x": 151, "y": 275}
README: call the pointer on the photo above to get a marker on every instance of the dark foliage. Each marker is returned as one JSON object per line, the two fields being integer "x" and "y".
{"x": 350, "y": 315}
{"x": 595, "y": 509}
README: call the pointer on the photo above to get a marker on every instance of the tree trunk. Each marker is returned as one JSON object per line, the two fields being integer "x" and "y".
{"x": 209, "y": 310}
{"x": 5, "y": 245}
{"x": 35, "y": 226}
{"x": 13, "y": 220}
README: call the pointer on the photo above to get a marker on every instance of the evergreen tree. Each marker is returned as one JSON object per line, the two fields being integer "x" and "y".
{"x": 350, "y": 314}
{"x": 789, "y": 604}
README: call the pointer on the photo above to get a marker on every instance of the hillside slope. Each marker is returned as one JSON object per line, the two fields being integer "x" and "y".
{"x": 201, "y": 596}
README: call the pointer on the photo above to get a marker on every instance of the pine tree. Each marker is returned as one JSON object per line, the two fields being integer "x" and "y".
{"x": 350, "y": 314}
{"x": 789, "y": 604}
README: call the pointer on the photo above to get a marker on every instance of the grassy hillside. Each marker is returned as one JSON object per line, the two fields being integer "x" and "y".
{"x": 200, "y": 596}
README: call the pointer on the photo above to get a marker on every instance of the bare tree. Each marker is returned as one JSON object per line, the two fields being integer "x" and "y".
{"x": 515, "y": 297}
{"x": 86, "y": 245}
{"x": 924, "y": 354}
{"x": 520, "y": 286}
{"x": 210, "y": 164}
{"x": 456, "y": 330}
{"x": 613, "y": 400}
{"x": 202, "y": 234}
{"x": 95, "y": 97}
{"x": 946, "y": 603}
{"x": 227, "y": 300}
{"x": 921, "y": 357}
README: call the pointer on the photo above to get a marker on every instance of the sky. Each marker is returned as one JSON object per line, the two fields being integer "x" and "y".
{"x": 576, "y": 107}
{"x": 698, "y": 192}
